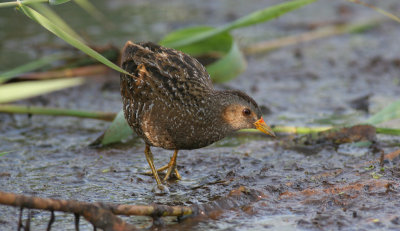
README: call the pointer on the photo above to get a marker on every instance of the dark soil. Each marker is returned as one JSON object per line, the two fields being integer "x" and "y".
{"x": 307, "y": 185}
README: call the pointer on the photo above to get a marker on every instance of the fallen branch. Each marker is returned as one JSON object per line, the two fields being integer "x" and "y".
{"x": 94, "y": 213}
{"x": 103, "y": 215}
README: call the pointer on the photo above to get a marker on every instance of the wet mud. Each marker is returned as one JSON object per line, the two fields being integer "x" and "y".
{"x": 327, "y": 182}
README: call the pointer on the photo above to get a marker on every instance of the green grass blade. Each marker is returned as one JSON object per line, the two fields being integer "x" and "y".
{"x": 42, "y": 62}
{"x": 53, "y": 17}
{"x": 5, "y": 153}
{"x": 309, "y": 130}
{"x": 58, "y": 2}
{"x": 388, "y": 113}
{"x": 22, "y": 90}
{"x": 33, "y": 110}
{"x": 217, "y": 43}
{"x": 267, "y": 14}
{"x": 91, "y": 9}
{"x": 16, "y": 3}
{"x": 251, "y": 19}
{"x": 379, "y": 10}
{"x": 46, "y": 23}
{"x": 292, "y": 130}
{"x": 388, "y": 131}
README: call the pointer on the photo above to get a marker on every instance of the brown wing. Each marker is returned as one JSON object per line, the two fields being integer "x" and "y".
{"x": 166, "y": 89}
{"x": 166, "y": 66}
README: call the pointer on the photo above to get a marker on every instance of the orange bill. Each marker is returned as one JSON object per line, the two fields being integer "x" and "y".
{"x": 262, "y": 126}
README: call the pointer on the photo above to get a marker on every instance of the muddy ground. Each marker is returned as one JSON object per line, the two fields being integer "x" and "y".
{"x": 306, "y": 186}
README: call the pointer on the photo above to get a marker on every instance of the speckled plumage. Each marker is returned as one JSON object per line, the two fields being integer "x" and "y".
{"x": 171, "y": 102}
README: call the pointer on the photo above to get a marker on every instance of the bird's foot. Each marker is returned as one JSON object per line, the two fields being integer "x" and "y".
{"x": 172, "y": 170}
{"x": 160, "y": 170}
{"x": 160, "y": 189}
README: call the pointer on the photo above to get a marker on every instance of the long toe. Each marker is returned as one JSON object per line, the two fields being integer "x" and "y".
{"x": 168, "y": 175}
{"x": 177, "y": 175}
{"x": 160, "y": 170}
{"x": 172, "y": 172}
{"x": 172, "y": 167}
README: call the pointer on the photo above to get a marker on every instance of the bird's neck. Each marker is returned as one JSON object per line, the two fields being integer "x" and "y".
{"x": 223, "y": 99}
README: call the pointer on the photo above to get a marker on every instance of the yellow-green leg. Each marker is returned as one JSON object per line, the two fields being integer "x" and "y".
{"x": 172, "y": 167}
{"x": 149, "y": 158}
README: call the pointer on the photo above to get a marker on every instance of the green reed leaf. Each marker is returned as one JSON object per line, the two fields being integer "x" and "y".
{"x": 22, "y": 90}
{"x": 46, "y": 23}
{"x": 388, "y": 113}
{"x": 31, "y": 66}
{"x": 248, "y": 20}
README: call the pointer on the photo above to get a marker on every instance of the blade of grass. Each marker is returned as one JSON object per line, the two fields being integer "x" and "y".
{"x": 266, "y": 14}
{"x": 251, "y": 19}
{"x": 388, "y": 131}
{"x": 219, "y": 43}
{"x": 91, "y": 9}
{"x": 46, "y": 23}
{"x": 292, "y": 129}
{"x": 44, "y": 61}
{"x": 27, "y": 2}
{"x": 33, "y": 110}
{"x": 388, "y": 113}
{"x": 4, "y": 153}
{"x": 58, "y": 2}
{"x": 50, "y": 14}
{"x": 379, "y": 10}
{"x": 309, "y": 130}
{"x": 16, "y": 3}
{"x": 21, "y": 90}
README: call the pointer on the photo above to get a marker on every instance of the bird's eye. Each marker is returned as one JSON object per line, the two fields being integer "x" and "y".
{"x": 246, "y": 112}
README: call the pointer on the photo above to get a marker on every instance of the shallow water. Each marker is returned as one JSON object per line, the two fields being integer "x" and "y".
{"x": 300, "y": 85}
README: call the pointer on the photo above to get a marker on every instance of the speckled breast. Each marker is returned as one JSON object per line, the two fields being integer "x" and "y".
{"x": 168, "y": 98}
{"x": 164, "y": 121}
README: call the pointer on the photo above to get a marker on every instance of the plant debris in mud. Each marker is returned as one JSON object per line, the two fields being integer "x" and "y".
{"x": 314, "y": 142}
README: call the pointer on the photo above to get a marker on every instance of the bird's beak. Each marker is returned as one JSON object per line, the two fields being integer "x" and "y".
{"x": 262, "y": 126}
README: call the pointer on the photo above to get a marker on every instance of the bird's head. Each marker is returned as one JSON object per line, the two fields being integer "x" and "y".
{"x": 241, "y": 111}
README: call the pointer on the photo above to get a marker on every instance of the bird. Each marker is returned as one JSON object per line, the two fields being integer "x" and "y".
{"x": 170, "y": 102}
